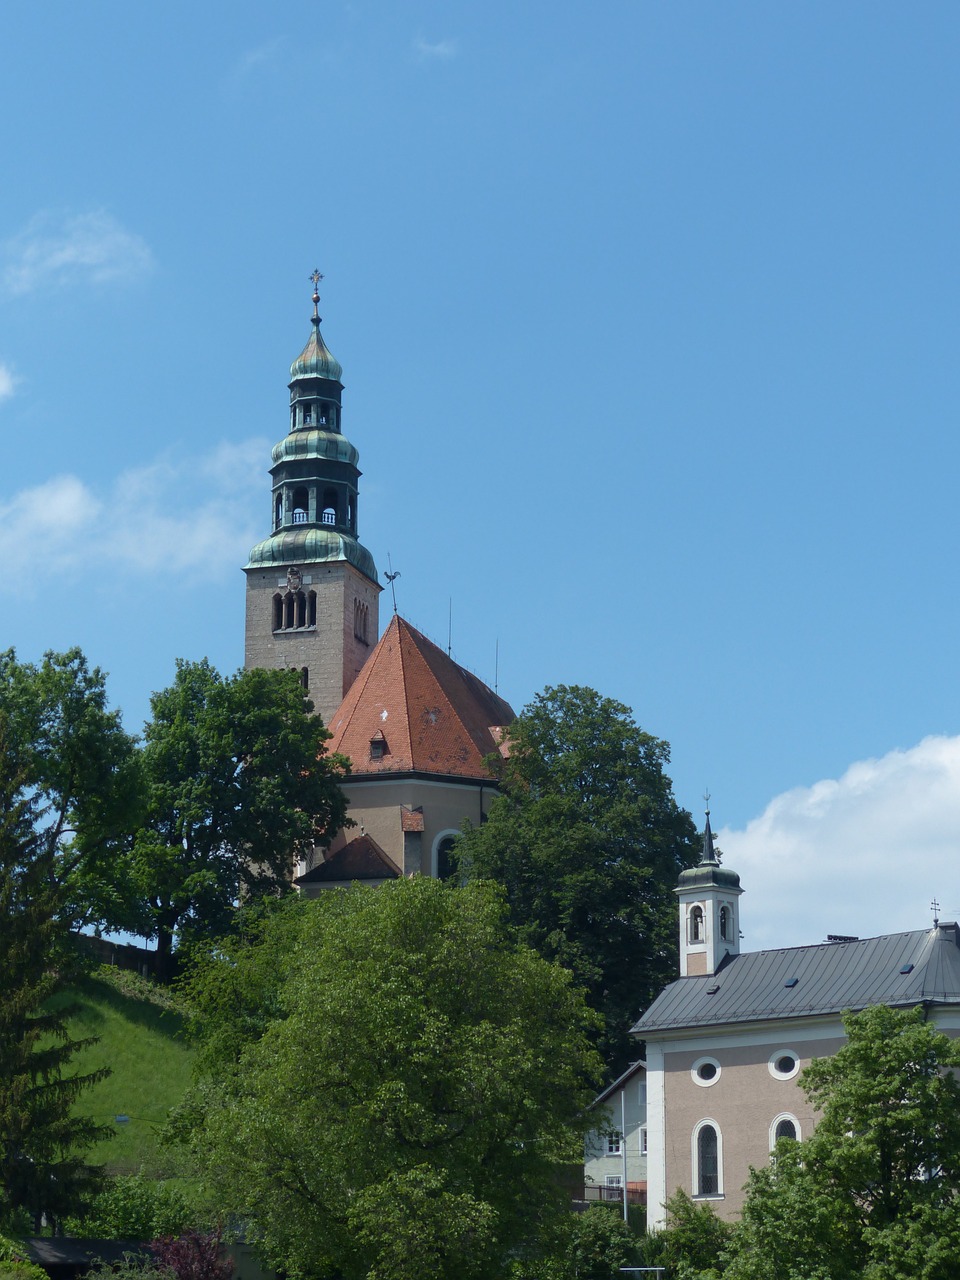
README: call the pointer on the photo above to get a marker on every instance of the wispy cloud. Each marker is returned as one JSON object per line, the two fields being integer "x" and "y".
{"x": 863, "y": 854}
{"x": 265, "y": 57}
{"x": 89, "y": 248}
{"x": 8, "y": 382}
{"x": 431, "y": 50}
{"x": 187, "y": 519}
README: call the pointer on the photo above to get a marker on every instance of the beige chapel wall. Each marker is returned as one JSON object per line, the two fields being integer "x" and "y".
{"x": 743, "y": 1103}
{"x": 376, "y": 806}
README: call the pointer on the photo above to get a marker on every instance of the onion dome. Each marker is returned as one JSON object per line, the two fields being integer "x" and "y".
{"x": 303, "y": 445}
{"x": 315, "y": 361}
{"x": 708, "y": 872}
{"x": 311, "y": 546}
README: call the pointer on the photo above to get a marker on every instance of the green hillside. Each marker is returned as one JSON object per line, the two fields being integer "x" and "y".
{"x": 141, "y": 1040}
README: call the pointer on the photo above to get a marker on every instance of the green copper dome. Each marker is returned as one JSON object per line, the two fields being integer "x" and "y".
{"x": 313, "y": 443}
{"x": 311, "y": 546}
{"x": 315, "y": 361}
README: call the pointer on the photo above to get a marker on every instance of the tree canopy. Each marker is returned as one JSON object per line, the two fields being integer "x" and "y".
{"x": 237, "y": 783}
{"x": 872, "y": 1194}
{"x": 588, "y": 842}
{"x": 403, "y": 1104}
{"x": 76, "y": 760}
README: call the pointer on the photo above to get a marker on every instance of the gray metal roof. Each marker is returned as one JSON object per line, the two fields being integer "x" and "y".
{"x": 830, "y": 977}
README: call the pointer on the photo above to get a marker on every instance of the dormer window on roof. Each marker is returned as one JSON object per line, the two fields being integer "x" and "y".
{"x": 378, "y": 746}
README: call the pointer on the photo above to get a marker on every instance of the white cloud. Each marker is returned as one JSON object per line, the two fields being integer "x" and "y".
{"x": 863, "y": 854}
{"x": 191, "y": 519}
{"x": 8, "y": 382}
{"x": 436, "y": 49}
{"x": 92, "y": 248}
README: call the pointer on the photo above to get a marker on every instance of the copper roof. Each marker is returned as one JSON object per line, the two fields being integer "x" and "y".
{"x": 361, "y": 859}
{"x": 428, "y": 714}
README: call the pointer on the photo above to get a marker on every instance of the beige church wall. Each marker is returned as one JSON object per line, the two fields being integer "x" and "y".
{"x": 743, "y": 1102}
{"x": 376, "y": 806}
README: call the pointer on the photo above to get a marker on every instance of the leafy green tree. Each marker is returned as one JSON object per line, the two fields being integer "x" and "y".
{"x": 404, "y": 1103}
{"x": 73, "y": 754}
{"x": 42, "y": 1171}
{"x": 593, "y": 1245}
{"x": 135, "y": 1208}
{"x": 873, "y": 1192}
{"x": 588, "y": 842}
{"x": 237, "y": 783}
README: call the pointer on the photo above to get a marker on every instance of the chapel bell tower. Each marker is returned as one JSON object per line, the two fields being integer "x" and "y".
{"x": 709, "y": 912}
{"x": 312, "y": 588}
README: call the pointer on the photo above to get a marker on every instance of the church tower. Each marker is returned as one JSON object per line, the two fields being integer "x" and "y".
{"x": 709, "y": 912}
{"x": 312, "y": 588}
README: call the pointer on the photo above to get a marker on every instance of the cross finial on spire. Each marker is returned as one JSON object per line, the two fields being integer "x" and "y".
{"x": 935, "y": 908}
{"x": 316, "y": 277}
{"x": 706, "y": 801}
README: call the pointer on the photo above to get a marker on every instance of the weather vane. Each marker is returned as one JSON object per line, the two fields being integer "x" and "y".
{"x": 391, "y": 577}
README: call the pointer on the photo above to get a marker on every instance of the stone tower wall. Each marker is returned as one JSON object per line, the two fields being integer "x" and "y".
{"x": 331, "y": 652}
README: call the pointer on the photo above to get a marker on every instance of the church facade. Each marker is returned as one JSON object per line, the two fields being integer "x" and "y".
{"x": 726, "y": 1043}
{"x": 416, "y": 726}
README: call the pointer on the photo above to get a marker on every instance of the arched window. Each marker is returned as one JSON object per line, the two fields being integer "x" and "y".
{"x": 322, "y": 414}
{"x": 361, "y": 614}
{"x": 445, "y": 864}
{"x": 329, "y": 507}
{"x": 289, "y": 619}
{"x": 307, "y": 414}
{"x": 300, "y": 506}
{"x": 786, "y": 1127}
{"x": 707, "y": 1180}
{"x": 278, "y": 521}
{"x": 725, "y": 924}
{"x": 301, "y": 609}
{"x": 695, "y": 923}
{"x": 305, "y": 678}
{"x": 312, "y": 609}
{"x": 277, "y": 611}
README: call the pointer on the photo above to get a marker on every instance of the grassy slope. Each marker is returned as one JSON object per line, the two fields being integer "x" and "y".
{"x": 140, "y": 1040}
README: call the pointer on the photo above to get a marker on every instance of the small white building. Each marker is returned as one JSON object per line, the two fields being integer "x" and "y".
{"x": 615, "y": 1154}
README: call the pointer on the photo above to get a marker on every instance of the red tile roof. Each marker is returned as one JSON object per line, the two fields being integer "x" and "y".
{"x": 361, "y": 859}
{"x": 431, "y": 715}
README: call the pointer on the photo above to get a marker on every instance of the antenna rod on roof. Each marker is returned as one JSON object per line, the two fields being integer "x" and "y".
{"x": 496, "y": 667}
{"x": 449, "y": 625}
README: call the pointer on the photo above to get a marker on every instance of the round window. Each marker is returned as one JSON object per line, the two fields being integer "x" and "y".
{"x": 705, "y": 1071}
{"x": 784, "y": 1064}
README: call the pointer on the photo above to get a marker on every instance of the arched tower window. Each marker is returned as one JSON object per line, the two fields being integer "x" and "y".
{"x": 323, "y": 414}
{"x": 312, "y": 609}
{"x": 301, "y": 609}
{"x": 305, "y": 678}
{"x": 278, "y": 513}
{"x": 277, "y": 611}
{"x": 725, "y": 924}
{"x": 307, "y": 414}
{"x": 300, "y": 500}
{"x": 329, "y": 506}
{"x": 695, "y": 924}
{"x": 289, "y": 607}
{"x": 361, "y": 614}
{"x": 706, "y": 1179}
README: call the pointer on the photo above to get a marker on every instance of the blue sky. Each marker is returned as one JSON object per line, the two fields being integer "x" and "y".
{"x": 648, "y": 316}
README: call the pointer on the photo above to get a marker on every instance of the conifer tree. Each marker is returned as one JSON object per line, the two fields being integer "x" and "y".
{"x": 42, "y": 1171}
